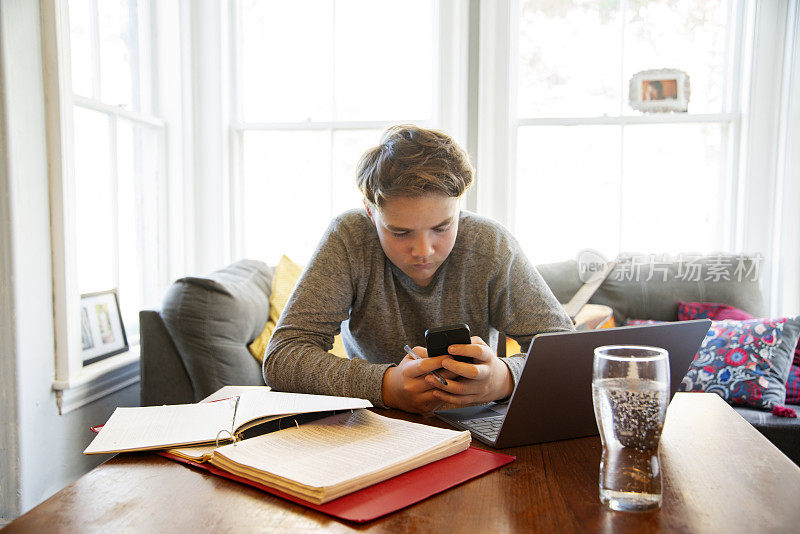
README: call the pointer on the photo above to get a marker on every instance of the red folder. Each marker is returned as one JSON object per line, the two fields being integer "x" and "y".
{"x": 390, "y": 495}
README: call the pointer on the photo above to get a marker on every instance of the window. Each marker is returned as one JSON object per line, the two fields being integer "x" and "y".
{"x": 316, "y": 83}
{"x": 119, "y": 154}
{"x": 615, "y": 179}
{"x": 113, "y": 81}
{"x": 181, "y": 153}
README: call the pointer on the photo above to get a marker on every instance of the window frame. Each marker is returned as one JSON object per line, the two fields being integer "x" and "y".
{"x": 449, "y": 105}
{"x": 499, "y": 124}
{"x": 474, "y": 104}
{"x": 766, "y": 40}
{"x": 76, "y": 385}
{"x": 114, "y": 115}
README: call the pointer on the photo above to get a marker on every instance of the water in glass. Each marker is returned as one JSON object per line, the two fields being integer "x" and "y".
{"x": 630, "y": 390}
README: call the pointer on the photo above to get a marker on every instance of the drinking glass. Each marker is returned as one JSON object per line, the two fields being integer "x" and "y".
{"x": 630, "y": 391}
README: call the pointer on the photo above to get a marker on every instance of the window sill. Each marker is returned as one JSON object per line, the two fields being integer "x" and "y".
{"x": 97, "y": 381}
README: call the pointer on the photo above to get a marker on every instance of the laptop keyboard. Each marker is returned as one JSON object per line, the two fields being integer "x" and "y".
{"x": 486, "y": 426}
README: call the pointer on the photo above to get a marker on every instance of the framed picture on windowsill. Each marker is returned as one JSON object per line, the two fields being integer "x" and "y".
{"x": 102, "y": 331}
{"x": 660, "y": 90}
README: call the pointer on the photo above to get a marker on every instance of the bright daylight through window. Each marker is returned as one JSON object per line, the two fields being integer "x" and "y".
{"x": 317, "y": 83}
{"x": 118, "y": 154}
{"x": 597, "y": 173}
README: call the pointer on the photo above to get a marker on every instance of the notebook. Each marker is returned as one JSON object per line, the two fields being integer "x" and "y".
{"x": 168, "y": 426}
{"x": 390, "y": 495}
{"x": 424, "y": 460}
{"x": 553, "y": 398}
{"x": 323, "y": 460}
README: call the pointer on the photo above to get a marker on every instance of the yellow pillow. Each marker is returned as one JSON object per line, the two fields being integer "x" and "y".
{"x": 287, "y": 273}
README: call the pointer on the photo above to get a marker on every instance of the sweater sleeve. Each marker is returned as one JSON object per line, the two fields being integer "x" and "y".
{"x": 522, "y": 305}
{"x": 297, "y": 357}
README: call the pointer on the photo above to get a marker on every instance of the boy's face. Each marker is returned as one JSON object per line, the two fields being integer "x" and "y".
{"x": 417, "y": 233}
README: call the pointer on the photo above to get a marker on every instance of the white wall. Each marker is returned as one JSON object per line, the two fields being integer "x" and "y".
{"x": 9, "y": 456}
{"x": 41, "y": 450}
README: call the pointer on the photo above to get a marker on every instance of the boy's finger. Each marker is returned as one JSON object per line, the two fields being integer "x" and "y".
{"x": 478, "y": 341}
{"x": 482, "y": 353}
{"x": 431, "y": 364}
{"x": 453, "y": 399}
{"x": 423, "y": 366}
{"x": 467, "y": 370}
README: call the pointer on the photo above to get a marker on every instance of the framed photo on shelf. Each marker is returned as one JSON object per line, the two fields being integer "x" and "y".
{"x": 660, "y": 90}
{"x": 102, "y": 331}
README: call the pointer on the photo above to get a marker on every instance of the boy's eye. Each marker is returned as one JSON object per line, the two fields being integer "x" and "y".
{"x": 399, "y": 234}
{"x": 440, "y": 230}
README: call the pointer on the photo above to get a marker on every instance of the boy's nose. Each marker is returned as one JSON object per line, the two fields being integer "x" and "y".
{"x": 422, "y": 247}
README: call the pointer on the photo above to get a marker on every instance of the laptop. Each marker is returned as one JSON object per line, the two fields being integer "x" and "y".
{"x": 553, "y": 398}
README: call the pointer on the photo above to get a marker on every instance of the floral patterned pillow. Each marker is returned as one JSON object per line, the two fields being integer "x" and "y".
{"x": 745, "y": 362}
{"x": 718, "y": 312}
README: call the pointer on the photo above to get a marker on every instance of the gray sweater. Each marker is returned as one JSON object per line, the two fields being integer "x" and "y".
{"x": 350, "y": 284}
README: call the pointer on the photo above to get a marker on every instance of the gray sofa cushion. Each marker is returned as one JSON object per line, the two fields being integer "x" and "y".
{"x": 783, "y": 432}
{"x": 212, "y": 320}
{"x": 632, "y": 295}
{"x": 164, "y": 379}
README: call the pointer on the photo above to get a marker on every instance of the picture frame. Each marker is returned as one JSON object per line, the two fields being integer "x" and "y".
{"x": 660, "y": 91}
{"x": 102, "y": 331}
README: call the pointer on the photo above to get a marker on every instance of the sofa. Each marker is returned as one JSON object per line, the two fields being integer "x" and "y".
{"x": 197, "y": 342}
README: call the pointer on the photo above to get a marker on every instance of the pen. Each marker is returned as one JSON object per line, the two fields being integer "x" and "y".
{"x": 235, "y": 409}
{"x": 418, "y": 357}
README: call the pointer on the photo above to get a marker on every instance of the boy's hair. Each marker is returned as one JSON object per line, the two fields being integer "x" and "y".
{"x": 411, "y": 161}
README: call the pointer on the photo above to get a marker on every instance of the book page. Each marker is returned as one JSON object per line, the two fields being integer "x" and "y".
{"x": 339, "y": 448}
{"x": 159, "y": 427}
{"x": 257, "y": 404}
{"x": 226, "y": 392}
{"x": 199, "y": 453}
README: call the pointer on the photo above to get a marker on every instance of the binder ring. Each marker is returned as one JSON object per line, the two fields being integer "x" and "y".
{"x": 233, "y": 437}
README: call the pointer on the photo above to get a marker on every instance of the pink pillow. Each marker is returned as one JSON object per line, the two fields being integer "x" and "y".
{"x": 716, "y": 312}
{"x": 639, "y": 322}
{"x": 793, "y": 385}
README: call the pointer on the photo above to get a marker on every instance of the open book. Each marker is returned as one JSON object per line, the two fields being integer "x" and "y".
{"x": 161, "y": 427}
{"x": 340, "y": 454}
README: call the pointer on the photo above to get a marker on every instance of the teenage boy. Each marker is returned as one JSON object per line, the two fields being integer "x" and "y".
{"x": 409, "y": 261}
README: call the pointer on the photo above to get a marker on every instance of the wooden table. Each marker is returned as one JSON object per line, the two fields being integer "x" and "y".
{"x": 719, "y": 474}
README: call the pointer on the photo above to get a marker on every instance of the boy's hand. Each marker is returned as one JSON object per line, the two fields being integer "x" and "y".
{"x": 405, "y": 386}
{"x": 486, "y": 380}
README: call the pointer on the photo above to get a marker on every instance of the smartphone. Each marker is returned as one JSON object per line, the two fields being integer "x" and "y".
{"x": 437, "y": 340}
